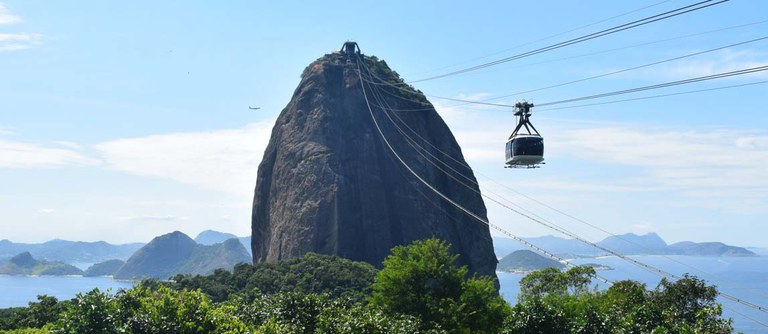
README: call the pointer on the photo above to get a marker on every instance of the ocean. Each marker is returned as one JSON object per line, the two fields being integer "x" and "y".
{"x": 741, "y": 277}
{"x": 745, "y": 278}
{"x": 20, "y": 290}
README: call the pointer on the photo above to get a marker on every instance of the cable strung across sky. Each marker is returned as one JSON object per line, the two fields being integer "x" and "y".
{"x": 434, "y": 160}
{"x": 626, "y": 91}
{"x": 663, "y": 85}
{"x": 657, "y": 96}
{"x": 550, "y": 36}
{"x": 609, "y": 31}
{"x": 559, "y": 229}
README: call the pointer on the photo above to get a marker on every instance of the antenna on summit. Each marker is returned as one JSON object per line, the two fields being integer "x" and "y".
{"x": 350, "y": 49}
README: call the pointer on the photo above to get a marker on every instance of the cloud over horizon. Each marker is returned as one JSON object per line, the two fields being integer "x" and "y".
{"x": 17, "y": 154}
{"x": 221, "y": 160}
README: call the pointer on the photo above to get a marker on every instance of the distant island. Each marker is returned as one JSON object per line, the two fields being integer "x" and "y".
{"x": 523, "y": 261}
{"x": 627, "y": 244}
{"x": 25, "y": 264}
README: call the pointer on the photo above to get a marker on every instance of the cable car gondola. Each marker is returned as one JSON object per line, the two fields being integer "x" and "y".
{"x": 524, "y": 148}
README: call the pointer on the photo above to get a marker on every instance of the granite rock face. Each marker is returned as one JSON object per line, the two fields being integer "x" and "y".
{"x": 329, "y": 184}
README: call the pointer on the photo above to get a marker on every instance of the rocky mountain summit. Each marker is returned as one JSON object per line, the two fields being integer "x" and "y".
{"x": 176, "y": 253}
{"x": 329, "y": 184}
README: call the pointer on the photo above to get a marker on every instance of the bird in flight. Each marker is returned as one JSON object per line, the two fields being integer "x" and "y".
{"x": 252, "y": 108}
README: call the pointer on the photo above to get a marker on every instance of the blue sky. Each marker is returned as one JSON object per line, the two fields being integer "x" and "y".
{"x": 120, "y": 121}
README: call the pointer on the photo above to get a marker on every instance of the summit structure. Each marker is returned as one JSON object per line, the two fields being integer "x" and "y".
{"x": 328, "y": 182}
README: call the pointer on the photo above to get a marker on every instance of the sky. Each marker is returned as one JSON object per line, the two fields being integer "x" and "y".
{"x": 121, "y": 121}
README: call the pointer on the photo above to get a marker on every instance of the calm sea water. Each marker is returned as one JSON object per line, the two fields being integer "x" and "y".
{"x": 745, "y": 278}
{"x": 20, "y": 290}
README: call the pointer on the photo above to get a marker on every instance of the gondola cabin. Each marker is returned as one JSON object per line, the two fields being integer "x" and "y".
{"x": 525, "y": 146}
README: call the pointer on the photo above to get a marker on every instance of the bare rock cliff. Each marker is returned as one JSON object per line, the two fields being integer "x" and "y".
{"x": 329, "y": 184}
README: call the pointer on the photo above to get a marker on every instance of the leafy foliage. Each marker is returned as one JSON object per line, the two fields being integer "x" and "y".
{"x": 311, "y": 273}
{"x": 422, "y": 280}
{"x": 560, "y": 302}
{"x": 26, "y": 331}
{"x": 44, "y": 311}
{"x": 146, "y": 310}
{"x": 380, "y": 71}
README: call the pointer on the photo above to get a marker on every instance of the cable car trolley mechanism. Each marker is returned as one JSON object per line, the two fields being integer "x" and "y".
{"x": 525, "y": 149}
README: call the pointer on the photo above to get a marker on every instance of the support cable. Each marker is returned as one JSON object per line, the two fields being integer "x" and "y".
{"x": 609, "y": 31}
{"x": 486, "y": 103}
{"x": 549, "y": 225}
{"x": 448, "y": 199}
{"x": 663, "y": 85}
{"x": 550, "y": 36}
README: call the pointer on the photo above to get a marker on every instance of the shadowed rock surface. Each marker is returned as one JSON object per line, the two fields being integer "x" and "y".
{"x": 328, "y": 184}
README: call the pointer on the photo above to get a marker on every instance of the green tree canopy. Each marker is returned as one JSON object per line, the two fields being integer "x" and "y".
{"x": 423, "y": 280}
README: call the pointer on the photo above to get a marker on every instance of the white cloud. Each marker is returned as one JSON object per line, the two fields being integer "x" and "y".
{"x": 19, "y": 41}
{"x": 6, "y": 131}
{"x": 154, "y": 218}
{"x": 223, "y": 160}
{"x": 723, "y": 61}
{"x": 69, "y": 144}
{"x": 720, "y": 168}
{"x": 46, "y": 211}
{"x": 725, "y": 167}
{"x": 6, "y": 17}
{"x": 14, "y": 154}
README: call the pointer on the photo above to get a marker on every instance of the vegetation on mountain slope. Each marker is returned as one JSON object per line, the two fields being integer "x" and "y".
{"x": 419, "y": 290}
{"x": 25, "y": 264}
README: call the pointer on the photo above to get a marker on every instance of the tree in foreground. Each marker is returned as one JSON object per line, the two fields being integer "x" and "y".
{"x": 143, "y": 309}
{"x": 422, "y": 280}
{"x": 561, "y": 302}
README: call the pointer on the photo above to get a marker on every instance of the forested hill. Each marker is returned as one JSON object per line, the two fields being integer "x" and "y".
{"x": 175, "y": 253}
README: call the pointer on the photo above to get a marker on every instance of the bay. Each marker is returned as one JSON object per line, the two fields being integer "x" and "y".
{"x": 20, "y": 290}
{"x": 745, "y": 278}
{"x": 742, "y": 277}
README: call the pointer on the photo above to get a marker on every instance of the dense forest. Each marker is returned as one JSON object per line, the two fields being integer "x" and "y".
{"x": 420, "y": 289}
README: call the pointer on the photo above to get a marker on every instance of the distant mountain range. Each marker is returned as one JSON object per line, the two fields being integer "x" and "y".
{"x": 210, "y": 237}
{"x": 25, "y": 264}
{"x": 627, "y": 244}
{"x": 176, "y": 253}
{"x": 70, "y": 251}
{"x": 165, "y": 256}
